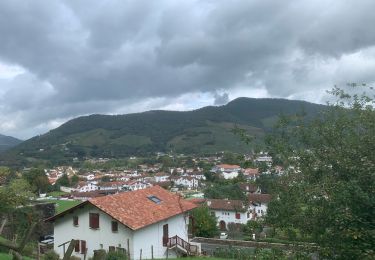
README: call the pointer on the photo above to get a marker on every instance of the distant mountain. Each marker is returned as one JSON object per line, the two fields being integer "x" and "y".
{"x": 7, "y": 142}
{"x": 205, "y": 130}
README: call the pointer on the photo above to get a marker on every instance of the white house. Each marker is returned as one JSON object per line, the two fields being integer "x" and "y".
{"x": 161, "y": 177}
{"x": 228, "y": 211}
{"x": 188, "y": 182}
{"x": 258, "y": 204}
{"x": 87, "y": 186}
{"x": 228, "y": 171}
{"x": 251, "y": 173}
{"x": 136, "y": 185}
{"x": 138, "y": 222}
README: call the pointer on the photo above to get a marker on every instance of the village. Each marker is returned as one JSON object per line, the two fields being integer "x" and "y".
{"x": 191, "y": 182}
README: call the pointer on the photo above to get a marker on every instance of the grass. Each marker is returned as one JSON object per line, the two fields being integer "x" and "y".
{"x": 5, "y": 256}
{"x": 62, "y": 205}
{"x": 56, "y": 193}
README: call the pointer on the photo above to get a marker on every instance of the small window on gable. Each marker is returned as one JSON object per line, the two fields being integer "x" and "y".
{"x": 154, "y": 199}
{"x": 114, "y": 226}
{"x": 75, "y": 221}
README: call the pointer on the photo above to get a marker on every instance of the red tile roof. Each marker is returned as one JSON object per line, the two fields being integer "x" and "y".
{"x": 136, "y": 210}
{"x": 221, "y": 204}
{"x": 229, "y": 166}
{"x": 263, "y": 198}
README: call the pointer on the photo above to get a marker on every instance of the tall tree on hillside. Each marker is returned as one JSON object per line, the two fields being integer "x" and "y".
{"x": 38, "y": 180}
{"x": 328, "y": 190}
{"x": 12, "y": 196}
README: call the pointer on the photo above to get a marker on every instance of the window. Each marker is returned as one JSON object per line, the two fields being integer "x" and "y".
{"x": 114, "y": 226}
{"x": 165, "y": 235}
{"x": 94, "y": 220}
{"x": 76, "y": 247}
{"x": 83, "y": 247}
{"x": 238, "y": 215}
{"x": 112, "y": 249}
{"x": 154, "y": 199}
{"x": 75, "y": 221}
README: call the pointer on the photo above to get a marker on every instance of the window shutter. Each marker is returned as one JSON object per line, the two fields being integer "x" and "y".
{"x": 83, "y": 247}
{"x": 94, "y": 220}
{"x": 238, "y": 215}
{"x": 76, "y": 247}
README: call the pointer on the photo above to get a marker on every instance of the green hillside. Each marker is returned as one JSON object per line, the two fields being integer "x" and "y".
{"x": 204, "y": 130}
{"x": 7, "y": 142}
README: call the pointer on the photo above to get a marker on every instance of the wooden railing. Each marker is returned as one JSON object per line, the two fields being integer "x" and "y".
{"x": 178, "y": 241}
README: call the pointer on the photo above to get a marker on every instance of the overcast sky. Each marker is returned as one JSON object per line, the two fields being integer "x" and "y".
{"x": 62, "y": 59}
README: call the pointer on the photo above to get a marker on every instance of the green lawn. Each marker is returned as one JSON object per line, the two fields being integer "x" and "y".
{"x": 56, "y": 193}
{"x": 62, "y": 205}
{"x": 5, "y": 256}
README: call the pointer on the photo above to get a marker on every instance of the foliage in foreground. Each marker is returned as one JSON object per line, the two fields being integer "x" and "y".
{"x": 328, "y": 191}
{"x": 204, "y": 223}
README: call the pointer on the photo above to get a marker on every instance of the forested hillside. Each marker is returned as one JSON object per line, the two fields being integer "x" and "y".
{"x": 205, "y": 130}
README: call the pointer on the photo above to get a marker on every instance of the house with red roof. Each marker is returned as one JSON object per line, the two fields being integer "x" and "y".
{"x": 150, "y": 222}
{"x": 227, "y": 171}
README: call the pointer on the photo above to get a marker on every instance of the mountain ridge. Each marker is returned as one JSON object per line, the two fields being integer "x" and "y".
{"x": 204, "y": 130}
{"x": 7, "y": 142}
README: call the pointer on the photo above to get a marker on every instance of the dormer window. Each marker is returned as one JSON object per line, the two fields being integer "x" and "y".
{"x": 154, "y": 199}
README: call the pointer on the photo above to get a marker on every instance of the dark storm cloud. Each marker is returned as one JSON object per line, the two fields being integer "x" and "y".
{"x": 81, "y": 57}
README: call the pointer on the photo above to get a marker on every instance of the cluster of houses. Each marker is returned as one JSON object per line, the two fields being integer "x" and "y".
{"x": 136, "y": 212}
{"x": 148, "y": 223}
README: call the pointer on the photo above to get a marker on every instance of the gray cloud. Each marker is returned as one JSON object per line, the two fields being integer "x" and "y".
{"x": 221, "y": 99}
{"x": 82, "y": 57}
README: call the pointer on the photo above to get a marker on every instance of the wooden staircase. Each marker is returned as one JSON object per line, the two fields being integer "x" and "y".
{"x": 182, "y": 246}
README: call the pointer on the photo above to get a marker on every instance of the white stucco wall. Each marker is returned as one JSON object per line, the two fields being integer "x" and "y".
{"x": 103, "y": 238}
{"x": 230, "y": 217}
{"x": 153, "y": 236}
{"x": 64, "y": 231}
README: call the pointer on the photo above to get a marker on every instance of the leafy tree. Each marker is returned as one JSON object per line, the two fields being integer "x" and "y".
{"x": 13, "y": 196}
{"x": 105, "y": 179}
{"x": 225, "y": 191}
{"x": 232, "y": 158}
{"x": 74, "y": 180}
{"x": 204, "y": 224}
{"x": 328, "y": 189}
{"x": 63, "y": 181}
{"x": 38, "y": 180}
{"x": 252, "y": 227}
{"x": 267, "y": 182}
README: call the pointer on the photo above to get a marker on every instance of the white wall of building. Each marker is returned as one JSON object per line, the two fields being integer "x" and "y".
{"x": 230, "y": 217}
{"x": 153, "y": 236}
{"x": 101, "y": 238}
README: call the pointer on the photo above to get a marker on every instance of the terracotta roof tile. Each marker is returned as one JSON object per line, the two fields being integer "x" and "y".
{"x": 223, "y": 204}
{"x": 263, "y": 198}
{"x": 135, "y": 210}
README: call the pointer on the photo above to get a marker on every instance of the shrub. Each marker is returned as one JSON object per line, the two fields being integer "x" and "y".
{"x": 116, "y": 256}
{"x": 51, "y": 255}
